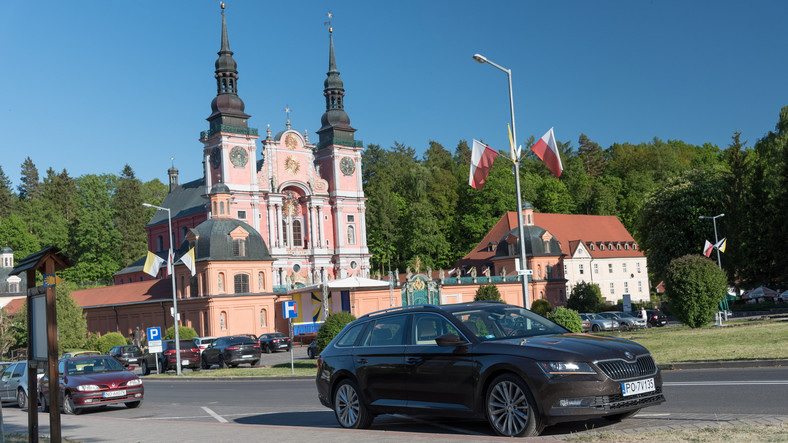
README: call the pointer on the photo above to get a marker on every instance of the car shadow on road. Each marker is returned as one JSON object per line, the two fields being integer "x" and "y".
{"x": 309, "y": 419}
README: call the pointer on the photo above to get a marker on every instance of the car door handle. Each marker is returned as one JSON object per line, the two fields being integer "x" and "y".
{"x": 413, "y": 360}
{"x": 361, "y": 361}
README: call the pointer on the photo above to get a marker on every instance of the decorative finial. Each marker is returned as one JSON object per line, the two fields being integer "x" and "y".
{"x": 287, "y": 112}
{"x": 306, "y": 136}
{"x": 268, "y": 132}
{"x": 222, "y": 5}
{"x": 330, "y": 28}
{"x": 172, "y": 159}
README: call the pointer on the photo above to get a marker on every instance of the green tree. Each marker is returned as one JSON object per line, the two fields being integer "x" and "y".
{"x": 15, "y": 233}
{"x": 567, "y": 318}
{"x": 7, "y": 198}
{"x": 108, "y": 341}
{"x": 331, "y": 327}
{"x": 695, "y": 286}
{"x": 487, "y": 293}
{"x": 72, "y": 324}
{"x": 129, "y": 217}
{"x": 53, "y": 208}
{"x": 592, "y": 156}
{"x": 28, "y": 187}
{"x": 184, "y": 333}
{"x": 7, "y": 336}
{"x": 586, "y": 297}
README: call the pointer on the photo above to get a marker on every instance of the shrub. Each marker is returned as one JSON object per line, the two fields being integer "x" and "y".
{"x": 567, "y": 318}
{"x": 541, "y": 307}
{"x": 184, "y": 333}
{"x": 91, "y": 343}
{"x": 331, "y": 327}
{"x": 695, "y": 286}
{"x": 487, "y": 293}
{"x": 109, "y": 341}
{"x": 586, "y": 297}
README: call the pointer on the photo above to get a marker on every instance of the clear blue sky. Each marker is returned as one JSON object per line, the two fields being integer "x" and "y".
{"x": 92, "y": 85}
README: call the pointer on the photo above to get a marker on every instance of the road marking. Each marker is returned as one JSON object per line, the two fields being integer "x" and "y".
{"x": 218, "y": 417}
{"x": 725, "y": 383}
{"x": 643, "y": 415}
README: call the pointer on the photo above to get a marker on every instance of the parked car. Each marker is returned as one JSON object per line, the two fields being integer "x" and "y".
{"x": 13, "y": 383}
{"x": 311, "y": 351}
{"x": 203, "y": 342}
{"x": 91, "y": 381}
{"x": 190, "y": 357}
{"x": 654, "y": 317}
{"x": 127, "y": 355}
{"x": 482, "y": 360}
{"x": 585, "y": 323}
{"x": 79, "y": 353}
{"x": 231, "y": 351}
{"x": 626, "y": 321}
{"x": 274, "y": 341}
{"x": 599, "y": 323}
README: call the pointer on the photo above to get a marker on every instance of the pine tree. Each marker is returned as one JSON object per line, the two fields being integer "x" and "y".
{"x": 6, "y": 195}
{"x": 129, "y": 217}
{"x": 29, "y": 178}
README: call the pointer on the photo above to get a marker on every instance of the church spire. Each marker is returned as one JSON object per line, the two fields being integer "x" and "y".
{"x": 335, "y": 122}
{"x": 227, "y": 108}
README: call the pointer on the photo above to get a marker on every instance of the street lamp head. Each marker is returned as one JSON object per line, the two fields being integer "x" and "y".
{"x": 480, "y": 58}
{"x": 148, "y": 205}
{"x": 721, "y": 215}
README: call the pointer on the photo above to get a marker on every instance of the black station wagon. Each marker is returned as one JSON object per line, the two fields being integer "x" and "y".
{"x": 484, "y": 360}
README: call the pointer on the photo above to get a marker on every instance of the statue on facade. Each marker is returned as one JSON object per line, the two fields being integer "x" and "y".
{"x": 503, "y": 272}
{"x": 408, "y": 274}
{"x": 486, "y": 271}
{"x": 429, "y": 273}
{"x": 473, "y": 272}
{"x": 441, "y": 275}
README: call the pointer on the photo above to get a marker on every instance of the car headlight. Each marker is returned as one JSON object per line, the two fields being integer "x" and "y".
{"x": 558, "y": 368}
{"x": 88, "y": 388}
{"x": 135, "y": 382}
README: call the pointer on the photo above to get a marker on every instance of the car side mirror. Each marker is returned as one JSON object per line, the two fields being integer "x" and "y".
{"x": 447, "y": 340}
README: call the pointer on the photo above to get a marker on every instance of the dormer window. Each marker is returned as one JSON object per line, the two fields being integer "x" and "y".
{"x": 590, "y": 246}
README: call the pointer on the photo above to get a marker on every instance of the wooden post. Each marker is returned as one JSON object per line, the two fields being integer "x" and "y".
{"x": 32, "y": 379}
{"x": 54, "y": 377}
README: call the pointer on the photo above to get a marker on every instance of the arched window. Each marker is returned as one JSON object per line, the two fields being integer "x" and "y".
{"x": 260, "y": 282}
{"x": 539, "y": 272}
{"x": 351, "y": 235}
{"x": 284, "y": 233}
{"x": 263, "y": 314}
{"x": 215, "y": 211}
{"x": 194, "y": 287}
{"x": 298, "y": 240}
{"x": 159, "y": 243}
{"x": 223, "y": 321}
{"x": 220, "y": 282}
{"x": 221, "y": 207}
{"x": 241, "y": 283}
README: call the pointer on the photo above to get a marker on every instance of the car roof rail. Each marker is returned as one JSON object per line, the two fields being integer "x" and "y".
{"x": 399, "y": 308}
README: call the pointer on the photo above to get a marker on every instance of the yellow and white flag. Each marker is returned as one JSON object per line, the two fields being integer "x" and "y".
{"x": 722, "y": 244}
{"x": 152, "y": 264}
{"x": 188, "y": 260}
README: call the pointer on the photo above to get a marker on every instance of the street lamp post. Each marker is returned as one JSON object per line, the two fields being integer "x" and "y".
{"x": 719, "y": 262}
{"x": 516, "y": 160}
{"x": 170, "y": 258}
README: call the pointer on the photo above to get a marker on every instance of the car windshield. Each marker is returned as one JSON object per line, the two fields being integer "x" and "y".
{"x": 92, "y": 365}
{"x": 593, "y": 317}
{"x": 498, "y": 322}
{"x": 626, "y": 315}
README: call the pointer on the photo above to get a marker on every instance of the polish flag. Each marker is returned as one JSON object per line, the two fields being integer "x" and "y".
{"x": 547, "y": 151}
{"x": 707, "y": 248}
{"x": 482, "y": 159}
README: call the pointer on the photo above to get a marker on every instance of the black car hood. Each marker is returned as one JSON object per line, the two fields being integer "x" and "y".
{"x": 585, "y": 347}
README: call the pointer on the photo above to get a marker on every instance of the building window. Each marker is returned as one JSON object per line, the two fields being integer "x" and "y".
{"x": 298, "y": 240}
{"x": 351, "y": 235}
{"x": 539, "y": 272}
{"x": 263, "y": 314}
{"x": 194, "y": 287}
{"x": 220, "y": 282}
{"x": 351, "y": 218}
{"x": 241, "y": 283}
{"x": 610, "y": 268}
{"x": 13, "y": 287}
{"x": 547, "y": 246}
{"x": 549, "y": 270}
{"x": 596, "y": 268}
{"x": 612, "y": 288}
{"x": 591, "y": 246}
{"x": 221, "y": 207}
{"x": 159, "y": 243}
{"x": 223, "y": 321}
{"x": 640, "y": 286}
{"x": 239, "y": 247}
{"x": 637, "y": 266}
{"x": 260, "y": 282}
{"x": 626, "y": 287}
{"x": 284, "y": 233}
{"x": 215, "y": 212}
{"x": 635, "y": 246}
{"x": 242, "y": 215}
{"x": 581, "y": 269}
{"x": 602, "y": 247}
{"x": 565, "y": 269}
{"x": 624, "y": 267}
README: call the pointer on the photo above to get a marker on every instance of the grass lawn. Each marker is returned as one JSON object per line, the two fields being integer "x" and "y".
{"x": 738, "y": 340}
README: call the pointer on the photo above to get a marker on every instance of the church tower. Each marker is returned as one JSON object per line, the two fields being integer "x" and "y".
{"x": 229, "y": 149}
{"x": 339, "y": 157}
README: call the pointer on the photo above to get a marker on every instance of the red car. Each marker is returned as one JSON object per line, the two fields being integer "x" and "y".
{"x": 91, "y": 381}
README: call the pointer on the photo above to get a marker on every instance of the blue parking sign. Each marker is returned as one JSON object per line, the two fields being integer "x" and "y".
{"x": 289, "y": 309}
{"x": 154, "y": 334}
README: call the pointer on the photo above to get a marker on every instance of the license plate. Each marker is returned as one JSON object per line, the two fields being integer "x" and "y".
{"x": 132, "y": 359}
{"x": 637, "y": 387}
{"x": 247, "y": 356}
{"x": 184, "y": 362}
{"x": 112, "y": 394}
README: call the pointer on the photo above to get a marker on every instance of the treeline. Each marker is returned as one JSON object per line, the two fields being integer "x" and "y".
{"x": 423, "y": 207}
{"x": 97, "y": 220}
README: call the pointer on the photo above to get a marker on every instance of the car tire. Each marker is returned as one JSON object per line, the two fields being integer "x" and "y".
{"x": 68, "y": 406}
{"x": 204, "y": 363}
{"x": 624, "y": 327}
{"x": 255, "y": 363}
{"x": 222, "y": 364}
{"x": 267, "y": 349}
{"x": 145, "y": 368}
{"x": 134, "y": 404}
{"x": 349, "y": 407}
{"x": 21, "y": 398}
{"x": 595, "y": 328}
{"x": 310, "y": 353}
{"x": 511, "y": 409}
{"x": 622, "y": 416}
{"x": 42, "y": 403}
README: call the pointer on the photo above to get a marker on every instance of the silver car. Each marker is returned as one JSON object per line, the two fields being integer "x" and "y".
{"x": 13, "y": 383}
{"x": 626, "y": 320}
{"x": 599, "y": 323}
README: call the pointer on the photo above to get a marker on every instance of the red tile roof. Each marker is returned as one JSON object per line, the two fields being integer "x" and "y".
{"x": 124, "y": 294}
{"x": 14, "y": 306}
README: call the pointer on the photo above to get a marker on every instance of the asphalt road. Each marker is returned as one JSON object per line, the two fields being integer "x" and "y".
{"x": 288, "y": 410}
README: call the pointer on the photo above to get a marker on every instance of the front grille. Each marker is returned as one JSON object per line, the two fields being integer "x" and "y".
{"x": 621, "y": 369}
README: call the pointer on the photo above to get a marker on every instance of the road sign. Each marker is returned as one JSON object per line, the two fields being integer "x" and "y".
{"x": 289, "y": 309}
{"x": 154, "y": 334}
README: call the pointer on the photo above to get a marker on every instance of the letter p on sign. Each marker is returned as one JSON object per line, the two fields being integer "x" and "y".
{"x": 290, "y": 309}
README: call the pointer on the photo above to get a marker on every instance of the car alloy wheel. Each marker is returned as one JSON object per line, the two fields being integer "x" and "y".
{"x": 267, "y": 349}
{"x": 348, "y": 407}
{"x": 145, "y": 368}
{"x": 509, "y": 408}
{"x": 595, "y": 328}
{"x": 222, "y": 364}
{"x": 68, "y": 406}
{"x": 21, "y": 398}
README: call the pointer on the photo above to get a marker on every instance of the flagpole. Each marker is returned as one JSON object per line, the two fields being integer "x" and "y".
{"x": 716, "y": 240}
{"x": 171, "y": 265}
{"x": 516, "y": 160}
